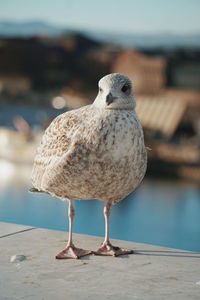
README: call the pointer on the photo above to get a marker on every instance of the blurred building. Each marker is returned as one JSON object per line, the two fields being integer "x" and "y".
{"x": 170, "y": 113}
{"x": 147, "y": 73}
{"x": 14, "y": 85}
{"x": 183, "y": 66}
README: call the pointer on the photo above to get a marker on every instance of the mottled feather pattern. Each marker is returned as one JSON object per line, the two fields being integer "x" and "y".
{"x": 86, "y": 150}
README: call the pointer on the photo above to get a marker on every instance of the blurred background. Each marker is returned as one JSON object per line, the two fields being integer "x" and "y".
{"x": 52, "y": 55}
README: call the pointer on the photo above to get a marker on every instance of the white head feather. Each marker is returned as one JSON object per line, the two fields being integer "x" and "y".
{"x": 115, "y": 92}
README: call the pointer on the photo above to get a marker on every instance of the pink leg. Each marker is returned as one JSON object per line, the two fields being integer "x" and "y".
{"x": 107, "y": 248}
{"x": 71, "y": 251}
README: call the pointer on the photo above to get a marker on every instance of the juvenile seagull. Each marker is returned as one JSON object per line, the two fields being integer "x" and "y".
{"x": 95, "y": 152}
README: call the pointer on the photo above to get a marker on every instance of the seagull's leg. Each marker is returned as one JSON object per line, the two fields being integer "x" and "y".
{"x": 71, "y": 251}
{"x": 107, "y": 248}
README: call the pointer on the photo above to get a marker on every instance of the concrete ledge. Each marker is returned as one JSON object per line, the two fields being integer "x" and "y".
{"x": 7, "y": 229}
{"x": 152, "y": 273}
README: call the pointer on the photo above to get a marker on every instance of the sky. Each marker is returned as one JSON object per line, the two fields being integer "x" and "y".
{"x": 127, "y": 16}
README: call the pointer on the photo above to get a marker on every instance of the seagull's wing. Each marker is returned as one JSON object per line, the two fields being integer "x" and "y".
{"x": 64, "y": 141}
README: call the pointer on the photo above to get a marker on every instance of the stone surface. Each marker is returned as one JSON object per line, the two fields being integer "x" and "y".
{"x": 152, "y": 273}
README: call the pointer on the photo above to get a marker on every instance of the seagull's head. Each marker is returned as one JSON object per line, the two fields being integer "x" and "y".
{"x": 115, "y": 92}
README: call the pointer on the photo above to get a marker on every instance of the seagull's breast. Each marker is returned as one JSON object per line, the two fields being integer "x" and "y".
{"x": 124, "y": 139}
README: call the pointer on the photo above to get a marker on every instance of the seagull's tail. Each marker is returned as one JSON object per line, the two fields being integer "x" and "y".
{"x": 34, "y": 190}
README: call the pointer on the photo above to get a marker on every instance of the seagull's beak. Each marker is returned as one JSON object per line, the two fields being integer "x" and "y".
{"x": 109, "y": 99}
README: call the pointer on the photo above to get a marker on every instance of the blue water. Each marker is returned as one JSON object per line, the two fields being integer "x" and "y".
{"x": 34, "y": 115}
{"x": 159, "y": 212}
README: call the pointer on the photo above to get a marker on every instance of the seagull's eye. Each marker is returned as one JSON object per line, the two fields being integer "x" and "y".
{"x": 100, "y": 90}
{"x": 125, "y": 88}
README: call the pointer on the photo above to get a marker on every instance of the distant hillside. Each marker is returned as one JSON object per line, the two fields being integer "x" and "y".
{"x": 22, "y": 29}
{"x": 168, "y": 40}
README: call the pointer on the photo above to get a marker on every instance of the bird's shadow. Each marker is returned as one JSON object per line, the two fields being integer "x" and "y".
{"x": 169, "y": 253}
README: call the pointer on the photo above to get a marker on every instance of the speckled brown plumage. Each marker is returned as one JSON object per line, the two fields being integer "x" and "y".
{"x": 91, "y": 153}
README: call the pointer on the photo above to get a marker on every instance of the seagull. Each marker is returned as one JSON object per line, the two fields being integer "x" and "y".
{"x": 94, "y": 152}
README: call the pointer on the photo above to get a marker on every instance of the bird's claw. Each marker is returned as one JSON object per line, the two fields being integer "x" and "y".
{"x": 72, "y": 252}
{"x": 109, "y": 250}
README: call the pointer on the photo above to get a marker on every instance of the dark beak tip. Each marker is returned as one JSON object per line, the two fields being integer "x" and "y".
{"x": 109, "y": 99}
